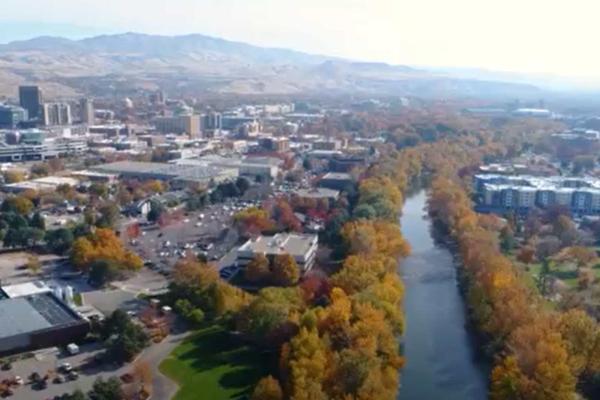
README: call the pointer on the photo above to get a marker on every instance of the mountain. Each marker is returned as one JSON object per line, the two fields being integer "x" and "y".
{"x": 195, "y": 64}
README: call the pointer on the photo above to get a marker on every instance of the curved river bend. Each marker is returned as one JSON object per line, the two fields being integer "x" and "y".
{"x": 440, "y": 356}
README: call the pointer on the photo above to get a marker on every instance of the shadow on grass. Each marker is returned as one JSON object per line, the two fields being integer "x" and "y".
{"x": 212, "y": 347}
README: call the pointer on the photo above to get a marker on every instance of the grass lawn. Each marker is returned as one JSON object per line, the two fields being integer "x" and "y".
{"x": 210, "y": 365}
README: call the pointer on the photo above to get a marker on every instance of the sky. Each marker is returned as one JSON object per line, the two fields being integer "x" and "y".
{"x": 557, "y": 37}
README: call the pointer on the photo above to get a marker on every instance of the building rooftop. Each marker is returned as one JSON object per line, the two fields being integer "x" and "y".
{"x": 167, "y": 170}
{"x": 534, "y": 183}
{"x": 337, "y": 175}
{"x": 281, "y": 243}
{"x": 24, "y": 289}
{"x": 317, "y": 193}
{"x": 33, "y": 313}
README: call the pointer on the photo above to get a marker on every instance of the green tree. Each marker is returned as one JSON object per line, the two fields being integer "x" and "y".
{"x": 156, "y": 210}
{"x": 38, "y": 221}
{"x": 103, "y": 272}
{"x": 59, "y": 241}
{"x": 109, "y": 215}
{"x": 109, "y": 389}
{"x": 17, "y": 204}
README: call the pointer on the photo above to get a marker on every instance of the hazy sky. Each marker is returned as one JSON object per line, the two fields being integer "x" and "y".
{"x": 549, "y": 36}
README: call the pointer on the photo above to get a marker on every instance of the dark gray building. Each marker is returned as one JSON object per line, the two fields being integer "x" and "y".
{"x": 37, "y": 321}
{"x": 31, "y": 99}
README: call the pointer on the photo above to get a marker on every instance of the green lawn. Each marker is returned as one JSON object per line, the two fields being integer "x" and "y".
{"x": 210, "y": 365}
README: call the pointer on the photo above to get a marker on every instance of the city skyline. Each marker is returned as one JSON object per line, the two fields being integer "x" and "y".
{"x": 469, "y": 34}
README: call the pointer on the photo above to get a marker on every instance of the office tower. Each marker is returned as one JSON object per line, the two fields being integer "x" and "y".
{"x": 158, "y": 97}
{"x": 11, "y": 116}
{"x": 31, "y": 98}
{"x": 56, "y": 114}
{"x": 87, "y": 111}
{"x": 212, "y": 122}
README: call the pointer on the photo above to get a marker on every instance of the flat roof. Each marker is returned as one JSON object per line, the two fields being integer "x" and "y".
{"x": 28, "y": 314}
{"x": 167, "y": 170}
{"x": 25, "y": 289}
{"x": 317, "y": 193}
{"x": 337, "y": 175}
{"x": 281, "y": 243}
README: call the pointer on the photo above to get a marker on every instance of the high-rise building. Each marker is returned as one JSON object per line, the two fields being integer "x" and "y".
{"x": 56, "y": 114}
{"x": 86, "y": 107}
{"x": 158, "y": 97}
{"x": 31, "y": 98}
{"x": 212, "y": 122}
{"x": 11, "y": 116}
{"x": 179, "y": 124}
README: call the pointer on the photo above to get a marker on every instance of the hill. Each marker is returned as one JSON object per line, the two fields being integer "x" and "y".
{"x": 193, "y": 64}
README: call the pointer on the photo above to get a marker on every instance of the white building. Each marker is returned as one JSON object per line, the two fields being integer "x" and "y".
{"x": 300, "y": 246}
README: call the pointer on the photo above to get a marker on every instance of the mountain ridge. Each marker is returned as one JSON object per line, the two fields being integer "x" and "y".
{"x": 195, "y": 63}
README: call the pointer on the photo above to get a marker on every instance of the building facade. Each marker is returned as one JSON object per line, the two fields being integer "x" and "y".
{"x": 12, "y": 116}
{"x": 503, "y": 193}
{"x": 31, "y": 98}
{"x": 56, "y": 114}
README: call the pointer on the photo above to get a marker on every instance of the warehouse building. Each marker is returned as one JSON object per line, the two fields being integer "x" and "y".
{"x": 178, "y": 176}
{"x": 36, "y": 319}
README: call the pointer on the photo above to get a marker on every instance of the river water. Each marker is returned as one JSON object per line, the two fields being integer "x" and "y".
{"x": 440, "y": 356}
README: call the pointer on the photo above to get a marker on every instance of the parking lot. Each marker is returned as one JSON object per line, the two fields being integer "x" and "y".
{"x": 208, "y": 232}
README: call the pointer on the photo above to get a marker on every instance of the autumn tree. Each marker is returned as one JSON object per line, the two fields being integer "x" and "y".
{"x": 267, "y": 388}
{"x": 253, "y": 221}
{"x": 33, "y": 265}
{"x": 13, "y": 176}
{"x": 285, "y": 270}
{"x": 257, "y": 270}
{"x": 18, "y": 204}
{"x": 103, "y": 244}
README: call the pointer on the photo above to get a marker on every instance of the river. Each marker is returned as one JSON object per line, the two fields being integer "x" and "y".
{"x": 440, "y": 356}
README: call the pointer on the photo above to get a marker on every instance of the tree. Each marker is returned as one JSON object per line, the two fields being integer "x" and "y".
{"x": 59, "y": 241}
{"x": 103, "y": 272}
{"x": 242, "y": 184}
{"x": 257, "y": 270}
{"x": 123, "y": 339}
{"x": 34, "y": 266}
{"x": 156, "y": 210}
{"x": 17, "y": 204}
{"x": 109, "y": 214}
{"x": 98, "y": 189}
{"x": 103, "y": 244}
{"x": 14, "y": 176}
{"x": 507, "y": 239}
{"x": 526, "y": 255}
{"x": 38, "y": 221}
{"x": 109, "y": 389}
{"x": 585, "y": 277}
{"x": 284, "y": 271}
{"x": 365, "y": 211}
{"x": 76, "y": 395}
{"x": 40, "y": 169}
{"x": 268, "y": 388}
{"x": 252, "y": 221}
